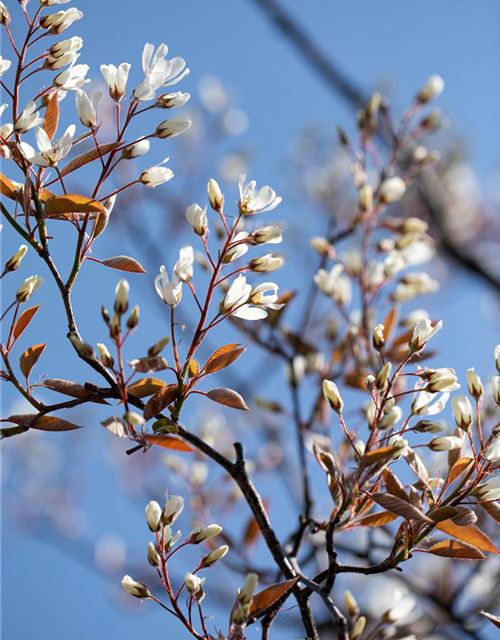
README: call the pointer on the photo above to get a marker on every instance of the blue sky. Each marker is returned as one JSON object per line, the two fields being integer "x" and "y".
{"x": 390, "y": 45}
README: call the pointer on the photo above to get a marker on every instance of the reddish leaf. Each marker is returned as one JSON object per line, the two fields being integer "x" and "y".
{"x": 87, "y": 157}
{"x": 455, "y": 549}
{"x": 124, "y": 263}
{"x": 223, "y": 357}
{"x": 458, "y": 468}
{"x": 51, "y": 119}
{"x": 384, "y": 453}
{"x": 400, "y": 507}
{"x": 168, "y": 442}
{"x": 492, "y": 509}
{"x": 23, "y": 321}
{"x": 72, "y": 389}
{"x": 29, "y": 358}
{"x": 264, "y": 599}
{"x": 469, "y": 534}
{"x": 146, "y": 387}
{"x": 393, "y": 485}
{"x": 375, "y": 519}
{"x": 390, "y": 323}
{"x": 228, "y": 398}
{"x": 72, "y": 203}
{"x": 443, "y": 513}
{"x": 252, "y": 529}
{"x": 44, "y": 423}
{"x": 194, "y": 368}
{"x": 7, "y": 189}
{"x": 160, "y": 400}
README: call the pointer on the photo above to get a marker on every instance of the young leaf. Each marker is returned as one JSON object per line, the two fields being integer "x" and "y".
{"x": 264, "y": 599}
{"x": 469, "y": 534}
{"x": 390, "y": 323}
{"x": 29, "y": 358}
{"x": 194, "y": 368}
{"x": 124, "y": 263}
{"x": 393, "y": 485}
{"x": 43, "y": 423}
{"x": 145, "y": 387}
{"x": 455, "y": 549}
{"x": 51, "y": 119}
{"x": 160, "y": 400}
{"x": 400, "y": 507}
{"x": 492, "y": 509}
{"x": 375, "y": 519}
{"x": 168, "y": 442}
{"x": 23, "y": 321}
{"x": 458, "y": 468}
{"x": 228, "y": 398}
{"x": 72, "y": 203}
{"x": 72, "y": 389}
{"x": 223, "y": 357}
{"x": 87, "y": 157}
{"x": 443, "y": 513}
{"x": 384, "y": 453}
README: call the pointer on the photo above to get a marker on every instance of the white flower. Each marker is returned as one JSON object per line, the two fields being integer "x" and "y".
{"x": 422, "y": 333}
{"x": 49, "y": 153}
{"x": 462, "y": 411}
{"x": 335, "y": 283}
{"x": 490, "y": 490}
{"x": 443, "y": 379}
{"x": 170, "y": 291}
{"x": 137, "y": 589}
{"x": 391, "y": 416}
{"x": 402, "y": 445}
{"x": 495, "y": 384}
{"x": 173, "y": 127}
{"x": 445, "y": 443}
{"x": 86, "y": 107}
{"x": 173, "y": 508}
{"x": 237, "y": 295}
{"x": 170, "y": 540}
{"x": 267, "y": 235}
{"x": 4, "y": 65}
{"x": 172, "y": 100}
{"x": 432, "y": 89}
{"x": 158, "y": 72}
{"x": 50, "y": 3}
{"x": 414, "y": 284}
{"x": 28, "y": 119}
{"x": 73, "y": 78}
{"x": 392, "y": 190}
{"x": 15, "y": 261}
{"x": 267, "y": 263}
{"x": 116, "y": 79}
{"x": 402, "y": 606}
{"x": 197, "y": 218}
{"x": 184, "y": 266}
{"x": 492, "y": 453}
{"x": 156, "y": 175}
{"x": 62, "y": 61}
{"x": 194, "y": 586}
{"x": 252, "y": 201}
{"x": 28, "y": 288}
{"x": 153, "y": 515}
{"x": 426, "y": 403}
{"x": 332, "y": 394}
{"x": 474, "y": 384}
{"x": 136, "y": 149}
{"x": 237, "y": 248}
{"x": 60, "y": 21}
{"x": 4, "y": 14}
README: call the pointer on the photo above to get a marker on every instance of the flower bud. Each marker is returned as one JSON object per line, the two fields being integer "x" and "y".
{"x": 4, "y": 14}
{"x": 267, "y": 235}
{"x": 215, "y": 195}
{"x": 134, "y": 418}
{"x": 173, "y": 127}
{"x": 474, "y": 384}
{"x": 358, "y": 628}
{"x": 383, "y": 375}
{"x": 492, "y": 453}
{"x": 214, "y": 556}
{"x": 432, "y": 89}
{"x": 495, "y": 384}
{"x": 204, "y": 534}
{"x": 331, "y": 393}
{"x": 443, "y": 379}
{"x": 121, "y": 297}
{"x": 321, "y": 245}
{"x": 446, "y": 443}
{"x": 153, "y": 556}
{"x": 496, "y": 354}
{"x": 194, "y": 586}
{"x": 379, "y": 337}
{"x": 422, "y": 333}
{"x": 351, "y": 604}
{"x": 133, "y": 319}
{"x": 136, "y": 149}
{"x": 104, "y": 355}
{"x": 173, "y": 509}
{"x": 83, "y": 349}
{"x": 265, "y": 264}
{"x": 248, "y": 589}
{"x": 197, "y": 218}
{"x": 137, "y": 589}
{"x": 153, "y": 516}
{"x": 15, "y": 261}
{"x": 27, "y": 289}
{"x": 490, "y": 490}
{"x": 172, "y": 100}
{"x": 392, "y": 190}
{"x": 158, "y": 347}
{"x": 427, "y": 426}
{"x": 462, "y": 412}
{"x": 366, "y": 197}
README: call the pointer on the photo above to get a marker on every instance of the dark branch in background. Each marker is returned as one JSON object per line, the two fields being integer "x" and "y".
{"x": 343, "y": 86}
